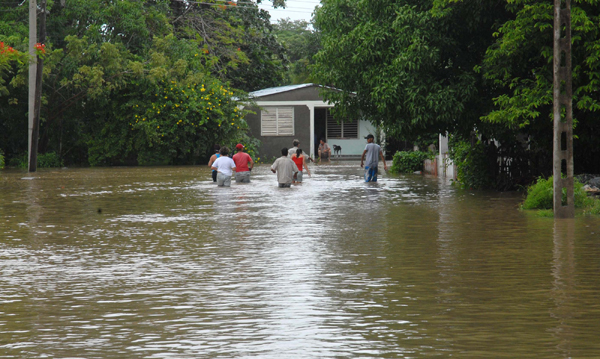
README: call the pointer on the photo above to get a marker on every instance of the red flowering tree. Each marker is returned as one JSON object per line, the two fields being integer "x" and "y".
{"x": 8, "y": 55}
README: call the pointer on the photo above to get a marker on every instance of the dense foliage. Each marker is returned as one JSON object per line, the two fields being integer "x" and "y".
{"x": 521, "y": 74}
{"x": 138, "y": 82}
{"x": 45, "y": 160}
{"x": 479, "y": 70}
{"x": 405, "y": 65}
{"x": 409, "y": 161}
{"x": 302, "y": 43}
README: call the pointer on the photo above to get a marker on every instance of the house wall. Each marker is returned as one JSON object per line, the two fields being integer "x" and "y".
{"x": 354, "y": 147}
{"x": 272, "y": 145}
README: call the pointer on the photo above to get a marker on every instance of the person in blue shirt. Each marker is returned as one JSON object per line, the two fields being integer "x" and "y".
{"x": 213, "y": 158}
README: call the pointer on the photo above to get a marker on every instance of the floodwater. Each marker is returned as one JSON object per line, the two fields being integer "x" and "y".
{"x": 160, "y": 263}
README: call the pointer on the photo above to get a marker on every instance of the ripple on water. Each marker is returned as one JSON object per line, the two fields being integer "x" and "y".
{"x": 174, "y": 267}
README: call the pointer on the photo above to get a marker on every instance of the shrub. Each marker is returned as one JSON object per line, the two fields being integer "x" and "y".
{"x": 19, "y": 161}
{"x": 594, "y": 207}
{"x": 539, "y": 195}
{"x": 251, "y": 145}
{"x": 408, "y": 162}
{"x": 45, "y": 160}
{"x": 1, "y": 160}
{"x": 49, "y": 160}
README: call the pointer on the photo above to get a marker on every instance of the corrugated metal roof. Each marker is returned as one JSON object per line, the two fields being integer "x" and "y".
{"x": 276, "y": 90}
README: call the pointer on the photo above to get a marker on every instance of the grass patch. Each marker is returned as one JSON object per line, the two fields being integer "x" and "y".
{"x": 546, "y": 213}
{"x": 594, "y": 209}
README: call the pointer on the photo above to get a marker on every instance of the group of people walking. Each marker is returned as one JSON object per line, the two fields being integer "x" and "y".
{"x": 289, "y": 167}
{"x": 223, "y": 166}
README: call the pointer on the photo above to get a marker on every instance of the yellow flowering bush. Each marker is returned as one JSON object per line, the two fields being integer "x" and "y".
{"x": 179, "y": 117}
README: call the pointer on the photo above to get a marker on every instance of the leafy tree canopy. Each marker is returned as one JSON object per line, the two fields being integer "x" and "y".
{"x": 152, "y": 81}
{"x": 302, "y": 42}
{"x": 407, "y": 65}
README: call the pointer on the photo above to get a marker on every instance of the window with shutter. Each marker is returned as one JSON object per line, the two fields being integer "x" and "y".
{"x": 277, "y": 121}
{"x": 334, "y": 129}
{"x": 285, "y": 121}
{"x": 341, "y": 130}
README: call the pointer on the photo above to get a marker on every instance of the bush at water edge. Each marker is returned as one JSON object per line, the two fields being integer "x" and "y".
{"x": 539, "y": 195}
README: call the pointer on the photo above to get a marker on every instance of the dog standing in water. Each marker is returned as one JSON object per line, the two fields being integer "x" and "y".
{"x": 337, "y": 150}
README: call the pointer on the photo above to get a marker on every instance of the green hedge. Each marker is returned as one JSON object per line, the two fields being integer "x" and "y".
{"x": 539, "y": 195}
{"x": 1, "y": 160}
{"x": 408, "y": 162}
{"x": 45, "y": 160}
{"x": 474, "y": 164}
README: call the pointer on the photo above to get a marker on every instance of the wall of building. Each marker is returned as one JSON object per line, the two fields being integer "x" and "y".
{"x": 272, "y": 145}
{"x": 354, "y": 147}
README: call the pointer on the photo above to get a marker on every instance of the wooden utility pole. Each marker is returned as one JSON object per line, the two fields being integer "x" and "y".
{"x": 32, "y": 72}
{"x": 563, "y": 104}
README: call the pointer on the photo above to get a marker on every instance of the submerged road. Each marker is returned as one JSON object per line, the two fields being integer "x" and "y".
{"x": 174, "y": 267}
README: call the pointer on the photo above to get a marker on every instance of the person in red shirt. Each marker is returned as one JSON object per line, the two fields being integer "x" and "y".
{"x": 242, "y": 159}
{"x": 300, "y": 161}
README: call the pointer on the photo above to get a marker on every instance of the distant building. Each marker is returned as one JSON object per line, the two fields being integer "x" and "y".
{"x": 298, "y": 112}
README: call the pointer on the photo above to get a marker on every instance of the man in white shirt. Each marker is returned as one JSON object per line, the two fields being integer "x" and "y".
{"x": 224, "y": 166}
{"x": 285, "y": 168}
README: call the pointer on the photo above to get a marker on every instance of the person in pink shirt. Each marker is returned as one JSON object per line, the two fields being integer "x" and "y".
{"x": 242, "y": 159}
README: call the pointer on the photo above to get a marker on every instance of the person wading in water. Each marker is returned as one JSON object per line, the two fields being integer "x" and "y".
{"x": 300, "y": 161}
{"x": 213, "y": 158}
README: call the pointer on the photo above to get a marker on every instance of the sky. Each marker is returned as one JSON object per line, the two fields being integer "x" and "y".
{"x": 295, "y": 9}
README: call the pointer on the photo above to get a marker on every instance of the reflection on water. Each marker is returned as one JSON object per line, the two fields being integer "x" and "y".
{"x": 160, "y": 263}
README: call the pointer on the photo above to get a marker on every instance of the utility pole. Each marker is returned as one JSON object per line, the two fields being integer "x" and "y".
{"x": 35, "y": 133}
{"x": 32, "y": 72}
{"x": 34, "y": 122}
{"x": 563, "y": 103}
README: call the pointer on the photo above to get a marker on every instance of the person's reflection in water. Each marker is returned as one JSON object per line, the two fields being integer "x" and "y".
{"x": 372, "y": 192}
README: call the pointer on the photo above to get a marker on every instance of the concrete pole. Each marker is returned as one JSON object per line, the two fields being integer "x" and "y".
{"x": 32, "y": 69}
{"x": 563, "y": 102}
{"x": 35, "y": 133}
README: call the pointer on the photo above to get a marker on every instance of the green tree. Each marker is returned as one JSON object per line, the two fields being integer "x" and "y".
{"x": 302, "y": 43}
{"x": 13, "y": 99}
{"x": 267, "y": 60}
{"x": 520, "y": 72}
{"x": 105, "y": 58}
{"x": 407, "y": 65}
{"x": 237, "y": 39}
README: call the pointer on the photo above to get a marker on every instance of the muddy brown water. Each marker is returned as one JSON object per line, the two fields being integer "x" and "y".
{"x": 174, "y": 267}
